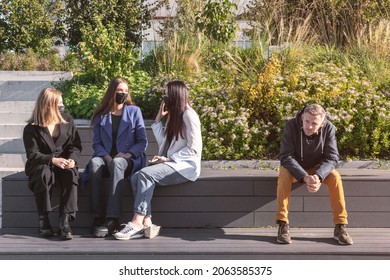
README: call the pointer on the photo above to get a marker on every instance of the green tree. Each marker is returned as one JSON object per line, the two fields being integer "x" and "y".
{"x": 105, "y": 54}
{"x": 184, "y": 20}
{"x": 217, "y": 20}
{"x": 26, "y": 24}
{"x": 133, "y": 16}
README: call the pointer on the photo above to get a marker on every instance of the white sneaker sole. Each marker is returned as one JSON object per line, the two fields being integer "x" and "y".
{"x": 135, "y": 236}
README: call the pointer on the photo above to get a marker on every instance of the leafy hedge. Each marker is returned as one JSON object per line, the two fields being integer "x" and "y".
{"x": 243, "y": 115}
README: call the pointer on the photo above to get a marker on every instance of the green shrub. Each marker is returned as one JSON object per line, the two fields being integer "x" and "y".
{"x": 82, "y": 95}
{"x": 226, "y": 127}
{"x": 105, "y": 53}
{"x": 81, "y": 99}
{"x": 357, "y": 108}
{"x": 31, "y": 61}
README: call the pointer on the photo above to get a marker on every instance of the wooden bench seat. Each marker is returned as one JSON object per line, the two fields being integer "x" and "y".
{"x": 225, "y": 198}
{"x": 242, "y": 197}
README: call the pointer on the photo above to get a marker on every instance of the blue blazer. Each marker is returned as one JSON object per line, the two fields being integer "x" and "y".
{"x": 131, "y": 137}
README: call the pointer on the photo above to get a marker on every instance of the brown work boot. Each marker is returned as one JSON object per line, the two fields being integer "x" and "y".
{"x": 341, "y": 235}
{"x": 283, "y": 233}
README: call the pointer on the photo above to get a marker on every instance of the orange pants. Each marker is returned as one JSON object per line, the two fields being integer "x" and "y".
{"x": 336, "y": 195}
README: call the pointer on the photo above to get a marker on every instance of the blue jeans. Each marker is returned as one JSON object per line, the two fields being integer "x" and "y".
{"x": 144, "y": 181}
{"x": 117, "y": 170}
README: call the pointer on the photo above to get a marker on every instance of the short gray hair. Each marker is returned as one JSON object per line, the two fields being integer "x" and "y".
{"x": 315, "y": 109}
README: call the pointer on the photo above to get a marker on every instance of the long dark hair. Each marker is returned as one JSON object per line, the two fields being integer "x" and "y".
{"x": 108, "y": 101}
{"x": 178, "y": 99}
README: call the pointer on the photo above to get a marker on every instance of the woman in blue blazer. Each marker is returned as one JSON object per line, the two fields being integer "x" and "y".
{"x": 119, "y": 144}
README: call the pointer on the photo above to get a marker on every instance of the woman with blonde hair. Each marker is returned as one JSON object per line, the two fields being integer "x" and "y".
{"x": 53, "y": 148}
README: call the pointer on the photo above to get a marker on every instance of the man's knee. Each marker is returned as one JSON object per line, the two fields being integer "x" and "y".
{"x": 334, "y": 176}
{"x": 285, "y": 175}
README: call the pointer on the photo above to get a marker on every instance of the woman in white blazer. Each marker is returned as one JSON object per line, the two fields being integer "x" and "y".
{"x": 178, "y": 159}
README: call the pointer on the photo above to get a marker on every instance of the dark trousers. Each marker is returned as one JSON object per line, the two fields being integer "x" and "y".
{"x": 53, "y": 177}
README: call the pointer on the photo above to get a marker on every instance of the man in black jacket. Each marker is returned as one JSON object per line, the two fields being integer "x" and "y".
{"x": 309, "y": 154}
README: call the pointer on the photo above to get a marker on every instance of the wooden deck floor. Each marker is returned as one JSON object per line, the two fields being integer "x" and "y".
{"x": 200, "y": 244}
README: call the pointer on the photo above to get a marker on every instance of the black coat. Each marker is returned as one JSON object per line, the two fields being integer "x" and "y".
{"x": 40, "y": 149}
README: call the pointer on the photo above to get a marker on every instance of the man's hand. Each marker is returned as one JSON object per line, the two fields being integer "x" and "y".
{"x": 313, "y": 183}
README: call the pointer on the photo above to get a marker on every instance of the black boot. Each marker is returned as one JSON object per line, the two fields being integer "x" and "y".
{"x": 45, "y": 229}
{"x": 97, "y": 222}
{"x": 64, "y": 231}
{"x": 108, "y": 228}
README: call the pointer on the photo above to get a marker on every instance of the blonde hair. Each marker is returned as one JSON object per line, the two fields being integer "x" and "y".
{"x": 46, "y": 108}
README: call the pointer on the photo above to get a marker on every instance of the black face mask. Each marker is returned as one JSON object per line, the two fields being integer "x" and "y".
{"x": 120, "y": 97}
{"x": 61, "y": 108}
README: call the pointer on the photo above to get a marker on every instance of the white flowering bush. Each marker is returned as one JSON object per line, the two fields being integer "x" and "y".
{"x": 227, "y": 130}
{"x": 243, "y": 117}
{"x": 359, "y": 110}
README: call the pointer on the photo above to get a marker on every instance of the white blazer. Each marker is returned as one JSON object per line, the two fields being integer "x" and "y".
{"x": 185, "y": 154}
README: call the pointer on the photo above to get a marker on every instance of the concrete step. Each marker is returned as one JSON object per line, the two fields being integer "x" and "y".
{"x": 11, "y": 130}
{"x": 12, "y": 146}
{"x": 17, "y": 106}
{"x": 35, "y": 75}
{"x": 6, "y": 171}
{"x": 21, "y": 90}
{"x": 26, "y": 85}
{"x": 14, "y": 117}
{"x": 12, "y": 161}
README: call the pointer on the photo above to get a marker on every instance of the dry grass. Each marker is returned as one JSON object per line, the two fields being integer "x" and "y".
{"x": 375, "y": 37}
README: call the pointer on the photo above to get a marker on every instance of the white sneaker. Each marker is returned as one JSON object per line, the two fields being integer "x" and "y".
{"x": 129, "y": 232}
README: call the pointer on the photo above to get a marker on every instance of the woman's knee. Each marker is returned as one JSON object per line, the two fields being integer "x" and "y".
{"x": 118, "y": 163}
{"x": 95, "y": 163}
{"x": 134, "y": 179}
{"x": 66, "y": 174}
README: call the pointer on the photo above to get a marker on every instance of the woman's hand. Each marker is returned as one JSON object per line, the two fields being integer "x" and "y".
{"x": 161, "y": 112}
{"x": 63, "y": 163}
{"x": 123, "y": 155}
{"x": 158, "y": 159}
{"x": 71, "y": 164}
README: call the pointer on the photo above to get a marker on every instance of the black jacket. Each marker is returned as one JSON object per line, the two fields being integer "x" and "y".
{"x": 299, "y": 152}
{"x": 40, "y": 147}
